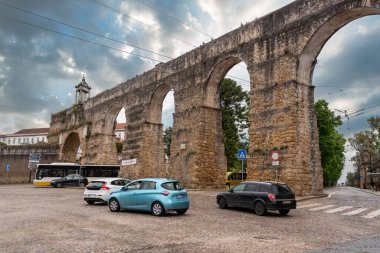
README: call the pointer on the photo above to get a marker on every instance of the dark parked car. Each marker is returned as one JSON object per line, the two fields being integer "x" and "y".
{"x": 70, "y": 180}
{"x": 259, "y": 196}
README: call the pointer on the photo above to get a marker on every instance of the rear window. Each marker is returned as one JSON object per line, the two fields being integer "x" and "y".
{"x": 283, "y": 189}
{"x": 96, "y": 184}
{"x": 172, "y": 186}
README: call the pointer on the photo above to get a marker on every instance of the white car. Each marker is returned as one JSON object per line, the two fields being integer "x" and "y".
{"x": 99, "y": 189}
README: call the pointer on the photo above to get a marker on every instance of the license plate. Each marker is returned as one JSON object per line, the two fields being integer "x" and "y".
{"x": 179, "y": 196}
{"x": 91, "y": 195}
{"x": 287, "y": 202}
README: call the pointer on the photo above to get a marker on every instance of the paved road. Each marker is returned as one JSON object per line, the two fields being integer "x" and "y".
{"x": 58, "y": 220}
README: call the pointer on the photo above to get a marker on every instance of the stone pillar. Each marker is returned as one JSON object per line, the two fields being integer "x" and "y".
{"x": 100, "y": 149}
{"x": 282, "y": 118}
{"x": 152, "y": 160}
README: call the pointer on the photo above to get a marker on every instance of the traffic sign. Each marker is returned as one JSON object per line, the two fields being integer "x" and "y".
{"x": 275, "y": 156}
{"x": 34, "y": 158}
{"x": 7, "y": 167}
{"x": 242, "y": 154}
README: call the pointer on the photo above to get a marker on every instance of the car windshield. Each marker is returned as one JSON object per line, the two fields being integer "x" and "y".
{"x": 172, "y": 186}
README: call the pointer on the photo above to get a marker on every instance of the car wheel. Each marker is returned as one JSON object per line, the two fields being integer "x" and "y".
{"x": 114, "y": 205}
{"x": 158, "y": 209}
{"x": 182, "y": 211}
{"x": 90, "y": 202}
{"x": 259, "y": 208}
{"x": 81, "y": 184}
{"x": 284, "y": 211}
{"x": 59, "y": 185}
{"x": 222, "y": 203}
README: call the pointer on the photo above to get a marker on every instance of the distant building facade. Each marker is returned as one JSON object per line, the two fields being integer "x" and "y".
{"x": 32, "y": 136}
{"x": 28, "y": 136}
{"x": 120, "y": 131}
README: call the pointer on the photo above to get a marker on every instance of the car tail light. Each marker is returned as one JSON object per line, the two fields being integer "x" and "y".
{"x": 272, "y": 197}
{"x": 105, "y": 187}
{"x": 165, "y": 193}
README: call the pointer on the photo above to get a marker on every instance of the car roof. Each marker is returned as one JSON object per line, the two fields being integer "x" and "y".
{"x": 160, "y": 180}
{"x": 264, "y": 182}
{"x": 109, "y": 179}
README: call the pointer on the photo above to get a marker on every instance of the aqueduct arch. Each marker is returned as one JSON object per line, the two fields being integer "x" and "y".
{"x": 70, "y": 147}
{"x": 279, "y": 50}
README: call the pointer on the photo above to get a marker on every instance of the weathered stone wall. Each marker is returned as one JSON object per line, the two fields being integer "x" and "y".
{"x": 18, "y": 158}
{"x": 280, "y": 51}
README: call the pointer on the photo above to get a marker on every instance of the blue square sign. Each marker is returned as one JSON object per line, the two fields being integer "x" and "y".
{"x": 242, "y": 154}
{"x": 8, "y": 167}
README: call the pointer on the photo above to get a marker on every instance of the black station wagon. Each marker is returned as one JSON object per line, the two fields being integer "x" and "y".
{"x": 259, "y": 196}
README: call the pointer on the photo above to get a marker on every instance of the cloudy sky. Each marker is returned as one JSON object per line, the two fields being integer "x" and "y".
{"x": 46, "y": 46}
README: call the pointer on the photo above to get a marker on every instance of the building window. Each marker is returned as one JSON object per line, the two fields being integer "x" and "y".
{"x": 32, "y": 140}
{"x": 19, "y": 140}
{"x": 14, "y": 140}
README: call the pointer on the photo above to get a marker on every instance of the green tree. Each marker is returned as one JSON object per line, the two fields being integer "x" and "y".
{"x": 331, "y": 143}
{"x": 167, "y": 140}
{"x": 234, "y": 105}
{"x": 119, "y": 147}
{"x": 367, "y": 142}
{"x": 2, "y": 144}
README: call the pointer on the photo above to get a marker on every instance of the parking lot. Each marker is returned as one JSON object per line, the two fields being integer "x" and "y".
{"x": 58, "y": 220}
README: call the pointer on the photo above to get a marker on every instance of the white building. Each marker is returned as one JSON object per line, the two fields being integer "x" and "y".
{"x": 39, "y": 135}
{"x": 26, "y": 136}
{"x": 120, "y": 131}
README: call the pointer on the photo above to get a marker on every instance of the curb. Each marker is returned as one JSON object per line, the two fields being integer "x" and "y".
{"x": 300, "y": 199}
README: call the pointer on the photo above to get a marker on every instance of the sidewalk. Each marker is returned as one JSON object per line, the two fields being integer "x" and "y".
{"x": 303, "y": 198}
{"x": 366, "y": 190}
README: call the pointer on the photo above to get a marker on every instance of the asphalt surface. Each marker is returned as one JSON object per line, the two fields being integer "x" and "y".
{"x": 59, "y": 220}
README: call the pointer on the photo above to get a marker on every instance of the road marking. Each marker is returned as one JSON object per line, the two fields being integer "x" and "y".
{"x": 372, "y": 214}
{"x": 339, "y": 209}
{"x": 331, "y": 195}
{"x": 321, "y": 208}
{"x": 357, "y": 211}
{"x": 310, "y": 205}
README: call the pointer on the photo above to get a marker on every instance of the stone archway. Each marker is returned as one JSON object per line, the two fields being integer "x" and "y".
{"x": 70, "y": 147}
{"x": 315, "y": 44}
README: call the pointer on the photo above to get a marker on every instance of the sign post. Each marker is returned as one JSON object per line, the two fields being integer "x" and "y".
{"x": 242, "y": 155}
{"x": 275, "y": 157}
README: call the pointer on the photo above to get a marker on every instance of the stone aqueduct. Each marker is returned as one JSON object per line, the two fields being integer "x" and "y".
{"x": 280, "y": 51}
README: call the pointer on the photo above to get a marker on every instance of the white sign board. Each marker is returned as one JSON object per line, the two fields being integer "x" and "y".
{"x": 275, "y": 163}
{"x": 128, "y": 162}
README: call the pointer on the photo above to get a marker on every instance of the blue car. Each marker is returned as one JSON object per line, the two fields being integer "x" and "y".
{"x": 156, "y": 195}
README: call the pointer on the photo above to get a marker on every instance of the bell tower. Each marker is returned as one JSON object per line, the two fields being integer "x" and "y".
{"x": 82, "y": 91}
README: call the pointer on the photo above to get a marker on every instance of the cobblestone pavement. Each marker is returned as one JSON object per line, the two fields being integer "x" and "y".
{"x": 58, "y": 220}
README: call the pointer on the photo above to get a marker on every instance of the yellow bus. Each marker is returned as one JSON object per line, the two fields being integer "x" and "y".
{"x": 234, "y": 178}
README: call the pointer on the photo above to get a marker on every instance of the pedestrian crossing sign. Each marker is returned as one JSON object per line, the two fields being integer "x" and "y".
{"x": 242, "y": 154}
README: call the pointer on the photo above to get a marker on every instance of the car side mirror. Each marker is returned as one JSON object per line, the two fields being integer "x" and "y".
{"x": 125, "y": 188}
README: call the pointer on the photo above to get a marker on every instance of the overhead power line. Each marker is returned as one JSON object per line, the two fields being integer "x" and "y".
{"x": 84, "y": 30}
{"x": 141, "y": 22}
{"x": 74, "y": 37}
{"x": 174, "y": 18}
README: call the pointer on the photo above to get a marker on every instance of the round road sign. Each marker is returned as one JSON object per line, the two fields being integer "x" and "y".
{"x": 275, "y": 156}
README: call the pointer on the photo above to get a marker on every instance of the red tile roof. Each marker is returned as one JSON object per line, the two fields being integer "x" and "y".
{"x": 33, "y": 131}
{"x": 120, "y": 125}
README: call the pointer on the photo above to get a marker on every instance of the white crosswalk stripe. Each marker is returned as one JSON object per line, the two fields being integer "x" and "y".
{"x": 339, "y": 209}
{"x": 357, "y": 211}
{"x": 372, "y": 214}
{"x": 321, "y": 208}
{"x": 306, "y": 206}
